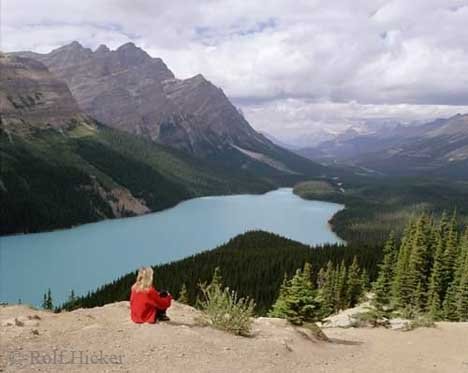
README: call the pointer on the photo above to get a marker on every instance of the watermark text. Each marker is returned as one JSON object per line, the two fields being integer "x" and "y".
{"x": 22, "y": 358}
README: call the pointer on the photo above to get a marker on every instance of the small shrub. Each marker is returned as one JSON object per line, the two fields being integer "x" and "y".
{"x": 183, "y": 295}
{"x": 408, "y": 313}
{"x": 223, "y": 309}
{"x": 370, "y": 318}
{"x": 422, "y": 321}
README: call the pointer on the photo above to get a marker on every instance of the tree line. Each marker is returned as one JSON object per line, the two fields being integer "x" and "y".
{"x": 423, "y": 273}
{"x": 426, "y": 272}
{"x": 338, "y": 287}
{"x": 253, "y": 264}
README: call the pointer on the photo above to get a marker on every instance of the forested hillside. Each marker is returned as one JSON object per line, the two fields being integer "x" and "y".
{"x": 57, "y": 179}
{"x": 253, "y": 264}
{"x": 375, "y": 205}
{"x": 426, "y": 273}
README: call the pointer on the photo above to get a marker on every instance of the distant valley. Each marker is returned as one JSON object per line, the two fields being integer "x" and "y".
{"x": 438, "y": 148}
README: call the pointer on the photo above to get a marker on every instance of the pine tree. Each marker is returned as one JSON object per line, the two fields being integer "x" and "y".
{"x": 340, "y": 287}
{"x": 365, "y": 280}
{"x": 462, "y": 273}
{"x": 307, "y": 274}
{"x": 434, "y": 307}
{"x": 400, "y": 294}
{"x": 450, "y": 253}
{"x": 437, "y": 288}
{"x": 418, "y": 267}
{"x": 419, "y": 299}
{"x": 321, "y": 277}
{"x": 383, "y": 285}
{"x": 280, "y": 307}
{"x": 462, "y": 297}
{"x": 354, "y": 284}
{"x": 50, "y": 304}
{"x": 455, "y": 299}
{"x": 183, "y": 295}
{"x": 327, "y": 290}
{"x": 301, "y": 301}
{"x": 297, "y": 301}
{"x": 450, "y": 304}
{"x": 44, "y": 301}
{"x": 47, "y": 303}
{"x": 71, "y": 302}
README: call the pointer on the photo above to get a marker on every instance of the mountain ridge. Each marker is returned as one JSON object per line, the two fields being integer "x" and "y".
{"x": 30, "y": 93}
{"x": 437, "y": 148}
{"x": 129, "y": 90}
{"x": 176, "y": 97}
{"x": 61, "y": 168}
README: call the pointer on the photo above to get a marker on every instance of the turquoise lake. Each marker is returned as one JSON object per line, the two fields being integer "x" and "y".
{"x": 90, "y": 255}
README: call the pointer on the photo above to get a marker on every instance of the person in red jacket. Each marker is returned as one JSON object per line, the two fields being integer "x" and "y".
{"x": 146, "y": 303}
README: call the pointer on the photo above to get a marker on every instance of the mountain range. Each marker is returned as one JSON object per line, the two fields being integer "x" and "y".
{"x": 90, "y": 135}
{"x": 437, "y": 148}
{"x": 129, "y": 90}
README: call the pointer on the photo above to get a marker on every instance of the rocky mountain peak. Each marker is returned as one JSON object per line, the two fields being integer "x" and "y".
{"x": 70, "y": 52}
{"x": 74, "y": 46}
{"x": 102, "y": 49}
{"x": 128, "y": 46}
{"x": 131, "y": 48}
{"x": 30, "y": 96}
{"x": 131, "y": 55}
{"x": 198, "y": 78}
{"x": 128, "y": 89}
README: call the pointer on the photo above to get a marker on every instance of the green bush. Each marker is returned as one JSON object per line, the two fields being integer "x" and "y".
{"x": 223, "y": 309}
{"x": 372, "y": 317}
{"x": 422, "y": 321}
{"x": 297, "y": 301}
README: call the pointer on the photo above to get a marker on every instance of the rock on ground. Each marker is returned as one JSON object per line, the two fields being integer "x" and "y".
{"x": 346, "y": 318}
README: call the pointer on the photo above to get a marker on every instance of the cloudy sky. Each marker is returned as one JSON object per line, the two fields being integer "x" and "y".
{"x": 294, "y": 67}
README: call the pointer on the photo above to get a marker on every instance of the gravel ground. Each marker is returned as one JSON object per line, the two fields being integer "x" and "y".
{"x": 103, "y": 339}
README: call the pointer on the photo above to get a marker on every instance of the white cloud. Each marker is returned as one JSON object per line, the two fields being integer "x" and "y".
{"x": 294, "y": 118}
{"x": 397, "y": 57}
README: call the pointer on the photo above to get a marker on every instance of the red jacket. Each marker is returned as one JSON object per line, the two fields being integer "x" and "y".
{"x": 143, "y": 305}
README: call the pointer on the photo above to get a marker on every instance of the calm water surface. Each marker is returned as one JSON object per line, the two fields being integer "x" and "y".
{"x": 85, "y": 257}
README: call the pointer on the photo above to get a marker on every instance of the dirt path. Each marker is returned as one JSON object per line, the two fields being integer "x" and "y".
{"x": 182, "y": 346}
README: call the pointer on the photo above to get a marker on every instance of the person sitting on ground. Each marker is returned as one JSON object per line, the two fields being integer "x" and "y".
{"x": 147, "y": 305}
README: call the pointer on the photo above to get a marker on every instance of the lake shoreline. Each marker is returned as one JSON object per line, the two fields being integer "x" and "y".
{"x": 332, "y": 226}
{"x": 137, "y": 215}
{"x": 92, "y": 254}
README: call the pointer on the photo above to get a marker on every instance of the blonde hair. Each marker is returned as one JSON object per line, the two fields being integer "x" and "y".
{"x": 144, "y": 279}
